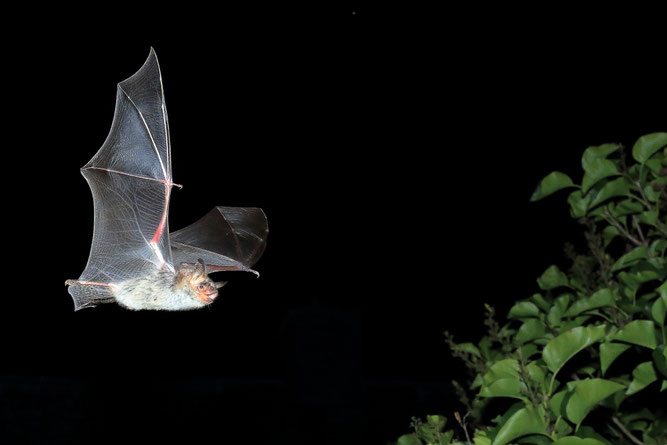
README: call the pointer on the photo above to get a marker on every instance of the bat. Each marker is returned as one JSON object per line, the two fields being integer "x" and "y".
{"x": 134, "y": 260}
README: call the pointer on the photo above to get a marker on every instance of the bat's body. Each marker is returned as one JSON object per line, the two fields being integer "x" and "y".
{"x": 134, "y": 260}
{"x": 154, "y": 291}
{"x": 162, "y": 289}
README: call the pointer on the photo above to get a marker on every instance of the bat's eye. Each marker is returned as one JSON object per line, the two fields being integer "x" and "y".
{"x": 200, "y": 287}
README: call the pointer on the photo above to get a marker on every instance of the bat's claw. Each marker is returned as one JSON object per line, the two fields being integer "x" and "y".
{"x": 255, "y": 272}
{"x": 70, "y": 282}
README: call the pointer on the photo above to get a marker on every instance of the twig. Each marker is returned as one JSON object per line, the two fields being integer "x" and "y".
{"x": 626, "y": 431}
{"x": 463, "y": 425}
{"x": 647, "y": 203}
{"x": 639, "y": 229}
{"x": 620, "y": 228}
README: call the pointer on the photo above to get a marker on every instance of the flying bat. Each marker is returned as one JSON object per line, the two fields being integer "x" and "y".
{"x": 134, "y": 260}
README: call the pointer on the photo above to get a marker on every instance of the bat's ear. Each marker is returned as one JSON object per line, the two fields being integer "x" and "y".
{"x": 200, "y": 268}
{"x": 219, "y": 284}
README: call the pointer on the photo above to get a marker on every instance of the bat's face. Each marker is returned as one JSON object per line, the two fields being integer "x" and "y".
{"x": 203, "y": 289}
{"x": 194, "y": 281}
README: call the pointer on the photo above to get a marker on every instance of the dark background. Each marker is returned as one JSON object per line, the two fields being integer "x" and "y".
{"x": 394, "y": 152}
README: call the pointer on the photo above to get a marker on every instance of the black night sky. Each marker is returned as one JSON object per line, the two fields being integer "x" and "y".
{"x": 394, "y": 154}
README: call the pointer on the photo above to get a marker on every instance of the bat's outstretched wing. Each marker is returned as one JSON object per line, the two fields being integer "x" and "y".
{"x": 226, "y": 238}
{"x": 130, "y": 178}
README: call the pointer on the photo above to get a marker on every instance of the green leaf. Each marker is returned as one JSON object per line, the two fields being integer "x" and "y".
{"x": 554, "y": 316}
{"x": 610, "y": 352}
{"x": 578, "y": 203}
{"x": 642, "y": 414}
{"x": 478, "y": 439}
{"x": 627, "y": 207}
{"x": 654, "y": 164}
{"x": 651, "y": 195}
{"x": 552, "y": 278}
{"x": 663, "y": 386}
{"x": 609, "y": 233}
{"x": 558, "y": 309}
{"x": 587, "y": 432}
{"x": 524, "y": 309}
{"x": 446, "y": 437}
{"x": 642, "y": 376}
{"x": 551, "y": 183}
{"x": 502, "y": 380}
{"x": 660, "y": 359}
{"x": 431, "y": 430}
{"x": 541, "y": 302}
{"x": 649, "y": 217}
{"x": 562, "y": 348}
{"x": 589, "y": 370}
{"x": 597, "y": 152}
{"x": 506, "y": 387}
{"x": 658, "y": 184}
{"x": 535, "y": 439}
{"x": 595, "y": 170}
{"x": 563, "y": 301}
{"x": 638, "y": 332}
{"x": 658, "y": 247}
{"x": 616, "y": 187}
{"x": 524, "y": 421}
{"x": 469, "y": 348}
{"x": 436, "y": 421}
{"x": 562, "y": 427}
{"x": 659, "y": 309}
{"x": 530, "y": 330}
{"x": 636, "y": 254}
{"x": 528, "y": 350}
{"x": 647, "y": 145}
{"x": 536, "y": 373}
{"x": 557, "y": 402}
{"x": 631, "y": 281}
{"x": 644, "y": 271}
{"x": 663, "y": 289}
{"x": 485, "y": 348}
{"x": 601, "y": 298}
{"x": 502, "y": 369}
{"x": 574, "y": 440}
{"x": 409, "y": 439}
{"x": 575, "y": 323}
{"x": 587, "y": 393}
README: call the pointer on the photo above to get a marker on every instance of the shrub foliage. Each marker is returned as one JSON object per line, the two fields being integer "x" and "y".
{"x": 584, "y": 360}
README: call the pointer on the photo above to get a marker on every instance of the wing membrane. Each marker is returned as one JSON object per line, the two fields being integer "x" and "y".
{"x": 226, "y": 238}
{"x": 130, "y": 179}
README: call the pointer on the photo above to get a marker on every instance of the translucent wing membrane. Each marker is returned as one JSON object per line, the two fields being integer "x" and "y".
{"x": 130, "y": 179}
{"x": 226, "y": 238}
{"x": 125, "y": 222}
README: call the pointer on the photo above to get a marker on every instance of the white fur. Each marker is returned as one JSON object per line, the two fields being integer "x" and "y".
{"x": 156, "y": 291}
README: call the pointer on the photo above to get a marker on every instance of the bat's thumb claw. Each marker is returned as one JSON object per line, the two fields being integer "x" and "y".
{"x": 255, "y": 272}
{"x": 69, "y": 282}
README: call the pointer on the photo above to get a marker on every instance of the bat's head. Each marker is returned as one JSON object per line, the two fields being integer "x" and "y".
{"x": 194, "y": 281}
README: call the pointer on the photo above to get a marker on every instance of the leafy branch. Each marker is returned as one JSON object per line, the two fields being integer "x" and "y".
{"x": 611, "y": 299}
